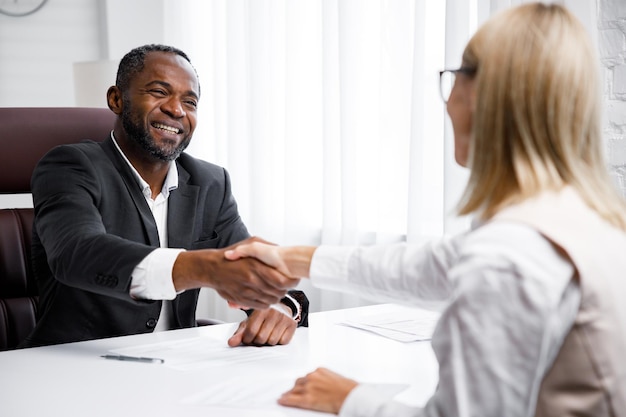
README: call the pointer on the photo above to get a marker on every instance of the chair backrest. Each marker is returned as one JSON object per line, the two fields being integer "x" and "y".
{"x": 27, "y": 134}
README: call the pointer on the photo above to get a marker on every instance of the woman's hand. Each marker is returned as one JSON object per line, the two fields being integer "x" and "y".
{"x": 292, "y": 261}
{"x": 268, "y": 254}
{"x": 321, "y": 390}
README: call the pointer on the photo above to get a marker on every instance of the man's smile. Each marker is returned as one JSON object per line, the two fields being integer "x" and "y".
{"x": 167, "y": 128}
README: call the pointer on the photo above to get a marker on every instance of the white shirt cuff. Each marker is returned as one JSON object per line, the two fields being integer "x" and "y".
{"x": 152, "y": 277}
{"x": 330, "y": 266}
{"x": 375, "y": 400}
{"x": 295, "y": 302}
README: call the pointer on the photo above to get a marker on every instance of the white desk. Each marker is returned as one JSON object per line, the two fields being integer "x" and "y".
{"x": 73, "y": 380}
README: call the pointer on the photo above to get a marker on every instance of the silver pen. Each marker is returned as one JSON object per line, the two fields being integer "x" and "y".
{"x": 133, "y": 358}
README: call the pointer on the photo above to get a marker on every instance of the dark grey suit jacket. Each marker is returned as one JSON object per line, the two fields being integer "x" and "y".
{"x": 93, "y": 226}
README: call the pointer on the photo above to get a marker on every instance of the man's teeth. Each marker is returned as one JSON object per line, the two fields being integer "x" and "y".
{"x": 168, "y": 128}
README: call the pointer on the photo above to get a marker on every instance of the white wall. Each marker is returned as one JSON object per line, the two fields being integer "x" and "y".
{"x": 37, "y": 52}
{"x": 612, "y": 43}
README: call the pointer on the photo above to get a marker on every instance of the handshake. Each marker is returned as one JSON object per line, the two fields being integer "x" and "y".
{"x": 250, "y": 274}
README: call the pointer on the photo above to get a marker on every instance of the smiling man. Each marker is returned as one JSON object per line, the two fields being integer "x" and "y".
{"x": 128, "y": 230}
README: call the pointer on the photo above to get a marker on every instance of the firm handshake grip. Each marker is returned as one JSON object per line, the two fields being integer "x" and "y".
{"x": 251, "y": 273}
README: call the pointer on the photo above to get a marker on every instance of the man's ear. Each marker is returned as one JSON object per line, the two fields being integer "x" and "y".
{"x": 114, "y": 99}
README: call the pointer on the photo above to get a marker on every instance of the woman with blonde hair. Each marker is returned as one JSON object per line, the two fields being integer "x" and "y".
{"x": 535, "y": 322}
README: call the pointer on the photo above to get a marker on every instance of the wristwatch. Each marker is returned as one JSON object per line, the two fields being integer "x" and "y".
{"x": 296, "y": 308}
{"x": 289, "y": 301}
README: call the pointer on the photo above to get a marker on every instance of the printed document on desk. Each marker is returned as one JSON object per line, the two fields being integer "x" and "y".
{"x": 200, "y": 352}
{"x": 404, "y": 324}
{"x": 261, "y": 392}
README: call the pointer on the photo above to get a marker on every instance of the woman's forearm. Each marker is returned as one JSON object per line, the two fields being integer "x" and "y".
{"x": 297, "y": 259}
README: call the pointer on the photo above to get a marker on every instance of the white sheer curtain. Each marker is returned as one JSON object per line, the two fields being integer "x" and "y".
{"x": 328, "y": 117}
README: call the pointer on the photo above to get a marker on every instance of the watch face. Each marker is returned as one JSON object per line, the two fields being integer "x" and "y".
{"x": 20, "y": 7}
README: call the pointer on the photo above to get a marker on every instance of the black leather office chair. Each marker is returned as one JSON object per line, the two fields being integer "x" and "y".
{"x": 27, "y": 134}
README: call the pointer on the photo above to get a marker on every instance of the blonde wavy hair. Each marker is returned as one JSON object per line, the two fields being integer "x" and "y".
{"x": 537, "y": 121}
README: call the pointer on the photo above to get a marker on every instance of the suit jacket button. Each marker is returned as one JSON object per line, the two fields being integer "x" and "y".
{"x": 151, "y": 323}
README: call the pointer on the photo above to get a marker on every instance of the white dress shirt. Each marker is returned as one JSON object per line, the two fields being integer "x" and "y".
{"x": 152, "y": 277}
{"x": 510, "y": 301}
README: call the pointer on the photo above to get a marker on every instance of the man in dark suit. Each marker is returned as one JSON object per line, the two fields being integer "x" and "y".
{"x": 127, "y": 231}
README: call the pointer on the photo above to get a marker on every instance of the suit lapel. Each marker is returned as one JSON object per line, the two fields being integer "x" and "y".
{"x": 133, "y": 190}
{"x": 181, "y": 214}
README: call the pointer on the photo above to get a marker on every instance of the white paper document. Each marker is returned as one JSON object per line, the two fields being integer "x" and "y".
{"x": 200, "y": 352}
{"x": 255, "y": 392}
{"x": 407, "y": 326}
{"x": 261, "y": 392}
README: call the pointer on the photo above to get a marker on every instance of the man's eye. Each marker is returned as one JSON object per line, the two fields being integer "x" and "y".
{"x": 158, "y": 92}
{"x": 192, "y": 103}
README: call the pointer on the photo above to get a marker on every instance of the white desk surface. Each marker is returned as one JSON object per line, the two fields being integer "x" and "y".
{"x": 73, "y": 380}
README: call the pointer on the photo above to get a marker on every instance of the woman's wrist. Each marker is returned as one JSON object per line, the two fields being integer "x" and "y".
{"x": 298, "y": 259}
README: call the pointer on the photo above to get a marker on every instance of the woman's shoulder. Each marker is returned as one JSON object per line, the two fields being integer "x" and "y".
{"x": 512, "y": 245}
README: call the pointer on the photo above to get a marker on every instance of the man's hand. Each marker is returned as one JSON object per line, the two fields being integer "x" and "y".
{"x": 268, "y": 254}
{"x": 246, "y": 281}
{"x": 265, "y": 327}
{"x": 321, "y": 390}
{"x": 292, "y": 261}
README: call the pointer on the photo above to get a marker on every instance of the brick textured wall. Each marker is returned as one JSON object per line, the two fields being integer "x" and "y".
{"x": 612, "y": 49}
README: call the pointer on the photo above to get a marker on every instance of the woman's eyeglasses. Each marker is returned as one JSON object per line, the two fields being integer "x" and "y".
{"x": 447, "y": 78}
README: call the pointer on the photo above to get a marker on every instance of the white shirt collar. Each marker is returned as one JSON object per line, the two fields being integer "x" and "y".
{"x": 171, "y": 179}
